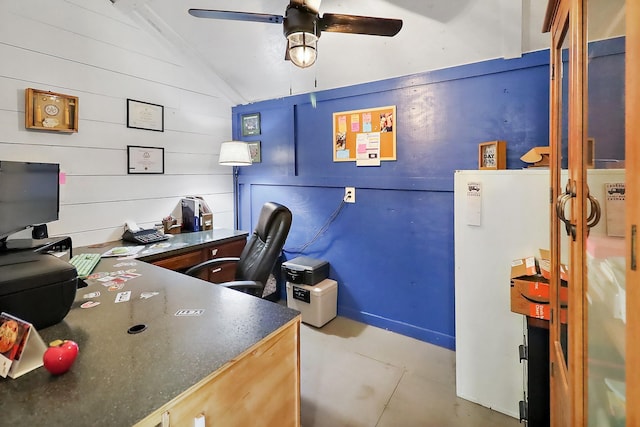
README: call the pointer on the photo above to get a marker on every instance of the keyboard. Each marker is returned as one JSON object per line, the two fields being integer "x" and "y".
{"x": 84, "y": 263}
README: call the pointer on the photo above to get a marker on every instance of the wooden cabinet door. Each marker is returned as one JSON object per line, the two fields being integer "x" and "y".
{"x": 632, "y": 222}
{"x": 558, "y": 22}
{"x": 589, "y": 368}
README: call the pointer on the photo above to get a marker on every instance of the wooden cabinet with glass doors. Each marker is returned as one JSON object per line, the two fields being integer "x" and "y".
{"x": 595, "y": 152}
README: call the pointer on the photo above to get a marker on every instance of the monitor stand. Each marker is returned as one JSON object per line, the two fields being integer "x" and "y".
{"x": 49, "y": 244}
{"x": 20, "y": 244}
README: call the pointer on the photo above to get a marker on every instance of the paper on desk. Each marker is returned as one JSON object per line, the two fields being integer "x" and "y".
{"x": 123, "y": 251}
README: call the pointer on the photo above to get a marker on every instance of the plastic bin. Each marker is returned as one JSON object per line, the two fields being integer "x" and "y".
{"x": 317, "y": 303}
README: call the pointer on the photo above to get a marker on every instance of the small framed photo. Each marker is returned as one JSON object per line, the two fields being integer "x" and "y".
{"x": 254, "y": 149}
{"x": 145, "y": 160}
{"x": 250, "y": 124}
{"x": 50, "y": 111}
{"x": 492, "y": 155}
{"x": 144, "y": 115}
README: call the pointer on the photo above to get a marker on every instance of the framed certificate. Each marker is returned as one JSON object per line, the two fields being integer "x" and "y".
{"x": 145, "y": 159}
{"x": 144, "y": 115}
{"x": 50, "y": 111}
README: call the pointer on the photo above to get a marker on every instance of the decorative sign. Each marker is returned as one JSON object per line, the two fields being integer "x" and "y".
{"x": 615, "y": 208}
{"x": 145, "y": 159}
{"x": 474, "y": 204}
{"x": 143, "y": 115}
{"x": 492, "y": 155}
{"x": 189, "y": 312}
{"x": 365, "y": 136}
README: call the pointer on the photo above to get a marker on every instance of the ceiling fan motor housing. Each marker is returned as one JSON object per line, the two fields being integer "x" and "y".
{"x": 299, "y": 19}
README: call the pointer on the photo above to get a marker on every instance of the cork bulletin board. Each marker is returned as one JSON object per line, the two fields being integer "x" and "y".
{"x": 365, "y": 136}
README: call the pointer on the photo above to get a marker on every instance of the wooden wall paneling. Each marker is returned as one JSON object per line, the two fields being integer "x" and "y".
{"x": 89, "y": 53}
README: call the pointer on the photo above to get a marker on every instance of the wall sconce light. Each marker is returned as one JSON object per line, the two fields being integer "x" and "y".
{"x": 235, "y": 153}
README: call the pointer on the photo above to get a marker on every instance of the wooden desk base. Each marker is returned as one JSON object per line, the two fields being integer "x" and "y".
{"x": 260, "y": 387}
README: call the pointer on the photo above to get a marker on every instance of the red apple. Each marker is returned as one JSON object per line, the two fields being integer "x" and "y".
{"x": 60, "y": 355}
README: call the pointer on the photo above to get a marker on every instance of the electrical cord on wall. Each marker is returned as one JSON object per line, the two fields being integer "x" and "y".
{"x": 320, "y": 232}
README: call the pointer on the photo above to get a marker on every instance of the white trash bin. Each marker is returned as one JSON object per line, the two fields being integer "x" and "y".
{"x": 317, "y": 303}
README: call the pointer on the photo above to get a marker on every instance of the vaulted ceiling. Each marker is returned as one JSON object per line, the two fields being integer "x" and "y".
{"x": 249, "y": 56}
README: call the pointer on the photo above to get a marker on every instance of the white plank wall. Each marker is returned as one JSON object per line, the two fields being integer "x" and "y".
{"x": 89, "y": 49}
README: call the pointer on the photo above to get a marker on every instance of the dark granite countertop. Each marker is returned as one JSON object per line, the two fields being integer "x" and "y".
{"x": 120, "y": 378}
{"x": 175, "y": 245}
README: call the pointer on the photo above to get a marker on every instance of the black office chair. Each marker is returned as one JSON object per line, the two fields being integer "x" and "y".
{"x": 259, "y": 256}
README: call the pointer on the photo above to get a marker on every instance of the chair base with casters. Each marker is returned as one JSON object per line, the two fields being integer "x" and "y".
{"x": 259, "y": 256}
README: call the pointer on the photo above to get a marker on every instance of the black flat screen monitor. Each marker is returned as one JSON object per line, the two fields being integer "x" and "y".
{"x": 29, "y": 195}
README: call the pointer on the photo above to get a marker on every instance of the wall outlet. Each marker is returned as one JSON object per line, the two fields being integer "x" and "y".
{"x": 350, "y": 194}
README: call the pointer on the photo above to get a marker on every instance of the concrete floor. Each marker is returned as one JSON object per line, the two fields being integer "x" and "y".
{"x": 357, "y": 375}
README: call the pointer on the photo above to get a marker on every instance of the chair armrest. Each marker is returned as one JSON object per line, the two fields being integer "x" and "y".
{"x": 192, "y": 271}
{"x": 241, "y": 284}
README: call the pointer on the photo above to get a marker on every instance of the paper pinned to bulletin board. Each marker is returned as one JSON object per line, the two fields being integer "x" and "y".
{"x": 365, "y": 136}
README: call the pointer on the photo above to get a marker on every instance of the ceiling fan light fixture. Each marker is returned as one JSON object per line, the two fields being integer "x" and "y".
{"x": 303, "y": 48}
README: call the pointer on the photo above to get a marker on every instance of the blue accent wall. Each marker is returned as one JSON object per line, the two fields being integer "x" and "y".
{"x": 392, "y": 252}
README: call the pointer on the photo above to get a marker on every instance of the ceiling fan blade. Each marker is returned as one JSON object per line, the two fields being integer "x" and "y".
{"x": 313, "y": 5}
{"x": 236, "y": 16}
{"x": 359, "y": 24}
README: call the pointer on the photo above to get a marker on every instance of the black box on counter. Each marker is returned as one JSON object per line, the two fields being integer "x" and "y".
{"x": 304, "y": 270}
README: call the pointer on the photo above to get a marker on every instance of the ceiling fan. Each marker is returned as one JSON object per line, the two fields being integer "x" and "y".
{"x": 302, "y": 26}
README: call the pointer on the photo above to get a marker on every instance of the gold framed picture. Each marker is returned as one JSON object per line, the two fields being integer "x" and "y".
{"x": 50, "y": 111}
{"x": 492, "y": 155}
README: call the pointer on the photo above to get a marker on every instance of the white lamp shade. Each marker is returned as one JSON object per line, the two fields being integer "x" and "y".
{"x": 235, "y": 153}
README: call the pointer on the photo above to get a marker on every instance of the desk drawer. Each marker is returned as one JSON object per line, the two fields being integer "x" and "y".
{"x": 233, "y": 249}
{"x": 222, "y": 272}
{"x": 181, "y": 262}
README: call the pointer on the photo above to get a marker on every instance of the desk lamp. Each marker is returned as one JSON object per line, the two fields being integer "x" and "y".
{"x": 235, "y": 153}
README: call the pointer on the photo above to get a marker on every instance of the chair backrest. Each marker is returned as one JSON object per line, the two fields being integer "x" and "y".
{"x": 265, "y": 244}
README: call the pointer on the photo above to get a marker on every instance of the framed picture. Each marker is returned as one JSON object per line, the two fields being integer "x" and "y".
{"x": 250, "y": 124}
{"x": 50, "y": 111}
{"x": 145, "y": 159}
{"x": 144, "y": 115}
{"x": 492, "y": 155}
{"x": 254, "y": 148}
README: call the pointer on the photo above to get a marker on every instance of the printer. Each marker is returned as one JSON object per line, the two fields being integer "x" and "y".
{"x": 37, "y": 288}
